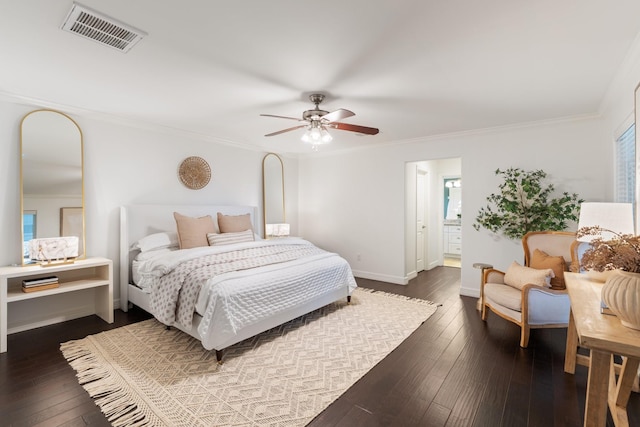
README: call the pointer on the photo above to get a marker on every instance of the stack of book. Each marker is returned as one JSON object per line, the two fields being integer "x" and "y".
{"x": 604, "y": 309}
{"x": 40, "y": 284}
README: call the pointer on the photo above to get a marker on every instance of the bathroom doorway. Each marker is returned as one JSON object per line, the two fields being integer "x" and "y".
{"x": 452, "y": 226}
{"x": 426, "y": 215}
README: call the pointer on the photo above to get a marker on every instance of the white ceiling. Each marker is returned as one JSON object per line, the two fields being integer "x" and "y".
{"x": 412, "y": 68}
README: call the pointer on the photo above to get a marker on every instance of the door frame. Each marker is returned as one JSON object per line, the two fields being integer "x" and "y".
{"x": 422, "y": 199}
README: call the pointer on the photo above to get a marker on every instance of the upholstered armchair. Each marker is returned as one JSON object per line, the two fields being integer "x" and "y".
{"x": 532, "y": 295}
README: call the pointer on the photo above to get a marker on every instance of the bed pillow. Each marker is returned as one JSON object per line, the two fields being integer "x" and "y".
{"x": 234, "y": 223}
{"x": 145, "y": 256}
{"x": 542, "y": 260}
{"x": 517, "y": 276}
{"x": 216, "y": 239}
{"x": 157, "y": 241}
{"x": 192, "y": 232}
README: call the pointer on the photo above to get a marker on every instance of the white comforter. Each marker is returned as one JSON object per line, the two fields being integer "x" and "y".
{"x": 236, "y": 286}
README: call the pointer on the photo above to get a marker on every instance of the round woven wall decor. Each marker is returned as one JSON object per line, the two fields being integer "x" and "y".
{"x": 194, "y": 172}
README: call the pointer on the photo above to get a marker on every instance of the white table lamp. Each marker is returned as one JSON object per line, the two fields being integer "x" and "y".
{"x": 617, "y": 217}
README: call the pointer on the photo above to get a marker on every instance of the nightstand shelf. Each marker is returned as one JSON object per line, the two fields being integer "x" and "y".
{"x": 92, "y": 273}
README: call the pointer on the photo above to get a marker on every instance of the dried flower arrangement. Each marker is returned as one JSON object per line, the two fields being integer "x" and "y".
{"x": 621, "y": 252}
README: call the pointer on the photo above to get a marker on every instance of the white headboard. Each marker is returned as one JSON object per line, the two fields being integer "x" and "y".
{"x": 137, "y": 221}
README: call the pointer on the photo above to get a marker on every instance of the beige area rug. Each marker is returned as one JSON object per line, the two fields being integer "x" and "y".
{"x": 143, "y": 374}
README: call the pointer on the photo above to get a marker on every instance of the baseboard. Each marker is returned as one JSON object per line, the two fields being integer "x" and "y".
{"x": 380, "y": 277}
{"x": 434, "y": 264}
{"x": 470, "y": 292}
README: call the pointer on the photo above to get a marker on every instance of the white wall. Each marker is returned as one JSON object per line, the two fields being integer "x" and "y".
{"x": 618, "y": 104}
{"x": 618, "y": 107}
{"x": 353, "y": 203}
{"x": 10, "y": 221}
{"x": 128, "y": 165}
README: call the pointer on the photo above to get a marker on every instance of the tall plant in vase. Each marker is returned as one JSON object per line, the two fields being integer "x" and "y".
{"x": 524, "y": 203}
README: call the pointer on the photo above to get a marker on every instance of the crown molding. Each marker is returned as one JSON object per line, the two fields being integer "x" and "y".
{"x": 466, "y": 133}
{"x": 123, "y": 121}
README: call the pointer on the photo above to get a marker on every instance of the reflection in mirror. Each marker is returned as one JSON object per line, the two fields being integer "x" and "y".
{"x": 452, "y": 199}
{"x": 273, "y": 197}
{"x": 52, "y": 191}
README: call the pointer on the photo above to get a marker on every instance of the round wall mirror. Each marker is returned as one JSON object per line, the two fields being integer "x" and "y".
{"x": 51, "y": 180}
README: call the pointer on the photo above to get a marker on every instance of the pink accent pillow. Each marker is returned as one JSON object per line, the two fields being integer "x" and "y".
{"x": 234, "y": 223}
{"x": 192, "y": 232}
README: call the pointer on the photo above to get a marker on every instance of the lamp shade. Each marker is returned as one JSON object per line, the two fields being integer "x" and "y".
{"x": 617, "y": 217}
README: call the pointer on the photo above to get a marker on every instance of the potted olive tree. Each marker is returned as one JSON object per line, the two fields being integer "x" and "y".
{"x": 524, "y": 203}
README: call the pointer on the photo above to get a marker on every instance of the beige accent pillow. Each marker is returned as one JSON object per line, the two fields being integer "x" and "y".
{"x": 192, "y": 232}
{"x": 517, "y": 276}
{"x": 216, "y": 239}
{"x": 234, "y": 223}
{"x": 542, "y": 260}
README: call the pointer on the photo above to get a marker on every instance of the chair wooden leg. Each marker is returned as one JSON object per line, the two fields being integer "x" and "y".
{"x": 484, "y": 312}
{"x": 524, "y": 336}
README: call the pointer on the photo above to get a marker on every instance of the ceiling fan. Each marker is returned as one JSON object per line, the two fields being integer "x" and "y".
{"x": 317, "y": 121}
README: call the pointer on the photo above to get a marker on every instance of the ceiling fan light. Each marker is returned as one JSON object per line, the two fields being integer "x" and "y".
{"x": 306, "y": 138}
{"x": 326, "y": 136}
{"x": 315, "y": 135}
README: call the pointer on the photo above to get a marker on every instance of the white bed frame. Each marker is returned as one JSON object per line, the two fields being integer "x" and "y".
{"x": 137, "y": 221}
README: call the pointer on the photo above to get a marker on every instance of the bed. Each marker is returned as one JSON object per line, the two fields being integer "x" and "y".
{"x": 234, "y": 289}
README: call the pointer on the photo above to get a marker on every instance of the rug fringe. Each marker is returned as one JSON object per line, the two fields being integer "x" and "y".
{"x": 400, "y": 297}
{"x": 111, "y": 397}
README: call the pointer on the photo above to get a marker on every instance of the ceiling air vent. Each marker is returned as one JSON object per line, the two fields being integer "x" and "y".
{"x": 103, "y": 29}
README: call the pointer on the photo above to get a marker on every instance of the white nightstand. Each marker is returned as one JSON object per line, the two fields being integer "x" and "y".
{"x": 91, "y": 273}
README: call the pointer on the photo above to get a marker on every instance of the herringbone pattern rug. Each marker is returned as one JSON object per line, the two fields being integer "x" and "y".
{"x": 143, "y": 374}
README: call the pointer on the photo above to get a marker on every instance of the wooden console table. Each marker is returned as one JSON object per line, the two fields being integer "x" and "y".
{"x": 605, "y": 336}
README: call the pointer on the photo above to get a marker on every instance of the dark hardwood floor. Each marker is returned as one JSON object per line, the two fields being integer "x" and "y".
{"x": 455, "y": 370}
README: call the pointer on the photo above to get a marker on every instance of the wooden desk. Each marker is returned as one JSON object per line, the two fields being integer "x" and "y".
{"x": 605, "y": 336}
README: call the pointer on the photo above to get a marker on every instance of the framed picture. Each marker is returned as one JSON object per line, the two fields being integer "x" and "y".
{"x": 71, "y": 224}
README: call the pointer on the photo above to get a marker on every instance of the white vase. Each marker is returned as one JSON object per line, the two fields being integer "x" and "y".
{"x": 621, "y": 293}
{"x": 599, "y": 276}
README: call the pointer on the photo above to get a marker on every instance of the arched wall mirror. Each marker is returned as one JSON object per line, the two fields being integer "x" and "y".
{"x": 636, "y": 108}
{"x": 51, "y": 181}
{"x": 273, "y": 197}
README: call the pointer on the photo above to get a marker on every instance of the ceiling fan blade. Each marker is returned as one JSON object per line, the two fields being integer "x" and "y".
{"x": 355, "y": 128}
{"x": 281, "y": 117}
{"x": 337, "y": 115}
{"x": 286, "y": 130}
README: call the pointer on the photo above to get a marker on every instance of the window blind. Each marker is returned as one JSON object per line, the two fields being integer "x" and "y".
{"x": 625, "y": 190}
